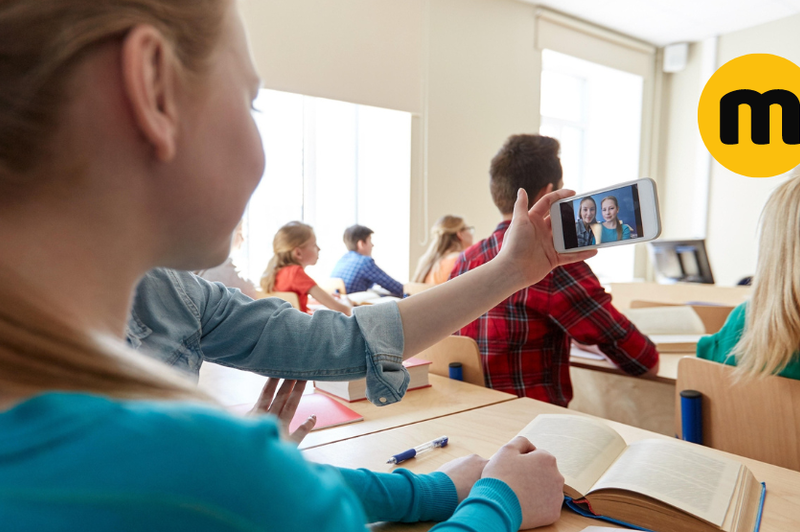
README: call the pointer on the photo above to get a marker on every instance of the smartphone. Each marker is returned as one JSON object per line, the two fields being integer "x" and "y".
{"x": 621, "y": 214}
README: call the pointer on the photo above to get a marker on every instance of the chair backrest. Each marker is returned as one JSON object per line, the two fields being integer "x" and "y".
{"x": 416, "y": 288}
{"x": 456, "y": 349}
{"x": 756, "y": 418}
{"x": 289, "y": 297}
{"x": 332, "y": 284}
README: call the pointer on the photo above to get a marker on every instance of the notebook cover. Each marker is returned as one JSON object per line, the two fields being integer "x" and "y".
{"x": 329, "y": 412}
{"x": 414, "y": 361}
{"x": 580, "y": 510}
{"x": 317, "y": 390}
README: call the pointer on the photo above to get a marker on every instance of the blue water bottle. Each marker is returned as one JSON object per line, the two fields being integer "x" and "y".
{"x": 692, "y": 416}
{"x": 456, "y": 371}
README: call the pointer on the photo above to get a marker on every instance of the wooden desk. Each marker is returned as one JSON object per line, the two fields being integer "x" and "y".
{"x": 603, "y": 390}
{"x": 484, "y": 430}
{"x": 445, "y": 396}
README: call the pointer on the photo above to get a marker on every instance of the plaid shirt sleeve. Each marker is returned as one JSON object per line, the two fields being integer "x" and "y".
{"x": 581, "y": 307}
{"x": 377, "y": 276}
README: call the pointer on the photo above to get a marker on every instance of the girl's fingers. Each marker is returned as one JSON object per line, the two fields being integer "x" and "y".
{"x": 303, "y": 430}
{"x": 542, "y": 207}
{"x": 267, "y": 393}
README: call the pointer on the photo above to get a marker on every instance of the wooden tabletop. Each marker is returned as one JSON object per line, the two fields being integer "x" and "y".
{"x": 484, "y": 430}
{"x": 234, "y": 388}
{"x": 444, "y": 397}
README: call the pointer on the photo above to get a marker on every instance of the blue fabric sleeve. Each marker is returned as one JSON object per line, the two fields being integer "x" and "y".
{"x": 269, "y": 337}
{"x": 377, "y": 276}
{"x": 403, "y": 496}
{"x": 492, "y": 506}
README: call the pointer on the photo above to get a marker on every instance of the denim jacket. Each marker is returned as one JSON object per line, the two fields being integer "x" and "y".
{"x": 183, "y": 320}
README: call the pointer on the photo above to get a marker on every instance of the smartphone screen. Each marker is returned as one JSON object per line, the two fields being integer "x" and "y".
{"x": 608, "y": 216}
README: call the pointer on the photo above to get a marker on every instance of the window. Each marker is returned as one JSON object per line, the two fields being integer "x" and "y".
{"x": 596, "y": 114}
{"x": 330, "y": 164}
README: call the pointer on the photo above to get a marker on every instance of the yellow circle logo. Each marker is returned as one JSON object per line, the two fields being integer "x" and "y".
{"x": 749, "y": 115}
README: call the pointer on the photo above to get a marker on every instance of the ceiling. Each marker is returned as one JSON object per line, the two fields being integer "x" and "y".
{"x": 663, "y": 22}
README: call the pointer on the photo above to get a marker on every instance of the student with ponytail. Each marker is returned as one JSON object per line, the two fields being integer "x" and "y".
{"x": 294, "y": 248}
{"x": 127, "y": 144}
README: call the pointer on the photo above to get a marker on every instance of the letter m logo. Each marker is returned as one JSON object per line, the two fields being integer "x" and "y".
{"x": 759, "y": 112}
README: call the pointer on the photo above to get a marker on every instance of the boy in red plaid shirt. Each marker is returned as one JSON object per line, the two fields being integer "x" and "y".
{"x": 525, "y": 340}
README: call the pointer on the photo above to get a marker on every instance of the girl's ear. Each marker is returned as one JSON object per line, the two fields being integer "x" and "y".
{"x": 296, "y": 254}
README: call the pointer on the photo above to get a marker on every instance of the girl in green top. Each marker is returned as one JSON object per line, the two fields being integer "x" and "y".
{"x": 127, "y": 143}
{"x": 762, "y": 337}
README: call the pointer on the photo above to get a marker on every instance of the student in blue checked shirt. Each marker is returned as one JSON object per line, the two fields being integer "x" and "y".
{"x": 358, "y": 269}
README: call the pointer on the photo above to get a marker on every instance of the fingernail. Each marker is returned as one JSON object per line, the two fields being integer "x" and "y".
{"x": 519, "y": 192}
{"x": 312, "y": 416}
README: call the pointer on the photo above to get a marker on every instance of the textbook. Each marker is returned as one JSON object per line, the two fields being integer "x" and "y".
{"x": 674, "y": 329}
{"x": 357, "y": 390}
{"x": 329, "y": 412}
{"x": 656, "y": 484}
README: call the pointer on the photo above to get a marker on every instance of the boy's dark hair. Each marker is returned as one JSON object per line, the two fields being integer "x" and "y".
{"x": 525, "y": 161}
{"x": 355, "y": 233}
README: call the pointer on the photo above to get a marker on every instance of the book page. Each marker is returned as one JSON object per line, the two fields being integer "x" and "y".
{"x": 583, "y": 447}
{"x": 666, "y": 320}
{"x": 689, "y": 477}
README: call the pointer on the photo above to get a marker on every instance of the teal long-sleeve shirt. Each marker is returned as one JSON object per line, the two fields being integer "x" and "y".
{"x": 80, "y": 462}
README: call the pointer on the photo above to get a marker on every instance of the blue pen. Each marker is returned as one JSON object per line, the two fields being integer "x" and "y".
{"x": 411, "y": 453}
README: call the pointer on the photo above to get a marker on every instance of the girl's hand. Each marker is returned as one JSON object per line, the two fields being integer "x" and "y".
{"x": 464, "y": 472}
{"x": 284, "y": 405}
{"x": 528, "y": 250}
{"x": 533, "y": 476}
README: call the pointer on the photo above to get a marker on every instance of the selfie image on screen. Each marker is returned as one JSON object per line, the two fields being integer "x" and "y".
{"x": 600, "y": 218}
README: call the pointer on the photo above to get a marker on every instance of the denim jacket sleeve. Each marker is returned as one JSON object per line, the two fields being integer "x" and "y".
{"x": 269, "y": 337}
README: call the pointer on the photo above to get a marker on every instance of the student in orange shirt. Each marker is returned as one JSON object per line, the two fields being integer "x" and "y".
{"x": 449, "y": 237}
{"x": 295, "y": 247}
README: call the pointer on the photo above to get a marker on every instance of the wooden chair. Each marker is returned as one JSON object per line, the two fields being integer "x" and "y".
{"x": 289, "y": 297}
{"x": 456, "y": 349}
{"x": 416, "y": 288}
{"x": 756, "y": 418}
{"x": 332, "y": 284}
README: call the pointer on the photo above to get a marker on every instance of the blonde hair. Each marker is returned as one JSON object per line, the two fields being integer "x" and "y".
{"x": 41, "y": 44}
{"x": 772, "y": 325}
{"x": 40, "y": 352}
{"x": 287, "y": 239}
{"x": 444, "y": 240}
{"x": 616, "y": 218}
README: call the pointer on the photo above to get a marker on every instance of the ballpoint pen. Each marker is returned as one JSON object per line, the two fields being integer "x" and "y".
{"x": 411, "y": 453}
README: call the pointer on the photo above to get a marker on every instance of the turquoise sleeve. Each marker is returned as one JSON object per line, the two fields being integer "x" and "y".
{"x": 492, "y": 506}
{"x": 402, "y": 495}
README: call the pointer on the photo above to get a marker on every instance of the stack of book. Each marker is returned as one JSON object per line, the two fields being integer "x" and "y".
{"x": 357, "y": 390}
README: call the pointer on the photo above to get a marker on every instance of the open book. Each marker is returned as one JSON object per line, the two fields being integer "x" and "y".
{"x": 674, "y": 329}
{"x": 660, "y": 485}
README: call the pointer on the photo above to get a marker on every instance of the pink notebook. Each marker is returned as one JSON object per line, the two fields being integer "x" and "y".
{"x": 329, "y": 412}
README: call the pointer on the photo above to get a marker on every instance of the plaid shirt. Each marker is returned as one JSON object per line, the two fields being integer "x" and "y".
{"x": 360, "y": 272}
{"x": 525, "y": 340}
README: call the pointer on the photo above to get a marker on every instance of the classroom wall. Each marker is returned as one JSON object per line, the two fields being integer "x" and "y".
{"x": 734, "y": 202}
{"x": 482, "y": 86}
{"x": 466, "y": 69}
{"x": 360, "y": 51}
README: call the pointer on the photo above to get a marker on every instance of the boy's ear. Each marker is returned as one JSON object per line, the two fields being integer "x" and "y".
{"x": 539, "y": 195}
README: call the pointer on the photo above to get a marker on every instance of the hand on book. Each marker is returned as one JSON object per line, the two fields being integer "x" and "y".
{"x": 528, "y": 245}
{"x": 533, "y": 476}
{"x": 464, "y": 472}
{"x": 284, "y": 405}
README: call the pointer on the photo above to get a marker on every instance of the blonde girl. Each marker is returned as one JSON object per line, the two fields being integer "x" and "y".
{"x": 449, "y": 237}
{"x": 294, "y": 248}
{"x": 127, "y": 144}
{"x": 612, "y": 229}
{"x": 762, "y": 336}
